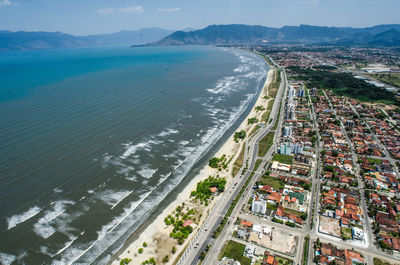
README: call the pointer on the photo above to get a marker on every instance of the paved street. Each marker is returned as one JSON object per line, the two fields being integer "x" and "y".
{"x": 204, "y": 235}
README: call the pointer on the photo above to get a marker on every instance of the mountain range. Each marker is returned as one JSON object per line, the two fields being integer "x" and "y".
{"x": 22, "y": 40}
{"x": 234, "y": 34}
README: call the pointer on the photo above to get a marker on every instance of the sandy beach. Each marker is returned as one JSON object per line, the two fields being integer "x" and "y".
{"x": 156, "y": 235}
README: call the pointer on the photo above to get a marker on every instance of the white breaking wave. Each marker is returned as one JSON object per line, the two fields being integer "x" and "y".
{"x": 125, "y": 170}
{"x": 7, "y": 259}
{"x": 241, "y": 69}
{"x": 168, "y": 132}
{"x": 43, "y": 227}
{"x": 71, "y": 254}
{"x": 67, "y": 245}
{"x": 131, "y": 149}
{"x": 112, "y": 197}
{"x": 147, "y": 172}
{"x": 22, "y": 217}
{"x": 163, "y": 178}
{"x": 132, "y": 178}
{"x": 225, "y": 85}
{"x": 57, "y": 190}
{"x": 183, "y": 142}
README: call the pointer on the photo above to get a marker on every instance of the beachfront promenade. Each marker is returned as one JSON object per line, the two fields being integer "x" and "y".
{"x": 204, "y": 237}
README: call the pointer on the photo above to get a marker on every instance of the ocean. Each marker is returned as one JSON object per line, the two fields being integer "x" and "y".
{"x": 94, "y": 142}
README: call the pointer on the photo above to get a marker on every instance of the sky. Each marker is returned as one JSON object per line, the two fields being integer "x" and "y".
{"x": 85, "y": 17}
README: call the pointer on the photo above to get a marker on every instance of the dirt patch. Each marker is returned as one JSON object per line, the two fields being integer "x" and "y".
{"x": 276, "y": 240}
{"x": 330, "y": 226}
{"x": 164, "y": 245}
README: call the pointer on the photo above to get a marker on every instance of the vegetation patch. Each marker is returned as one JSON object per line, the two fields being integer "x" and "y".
{"x": 265, "y": 115}
{"x": 390, "y": 78}
{"x": 234, "y": 250}
{"x": 259, "y": 108}
{"x": 125, "y": 261}
{"x": 239, "y": 162}
{"x": 252, "y": 121}
{"x": 345, "y": 84}
{"x": 374, "y": 161}
{"x": 285, "y": 159}
{"x": 255, "y": 129}
{"x": 293, "y": 212}
{"x": 265, "y": 144}
{"x": 283, "y": 261}
{"x": 305, "y": 249}
{"x": 151, "y": 261}
{"x": 204, "y": 192}
{"x": 219, "y": 163}
{"x": 239, "y": 135}
{"x": 378, "y": 261}
{"x": 179, "y": 220}
{"x": 346, "y": 233}
{"x": 275, "y": 183}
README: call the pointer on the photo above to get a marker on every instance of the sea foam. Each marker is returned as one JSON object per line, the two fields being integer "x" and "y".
{"x": 7, "y": 259}
{"x": 22, "y": 217}
{"x": 43, "y": 226}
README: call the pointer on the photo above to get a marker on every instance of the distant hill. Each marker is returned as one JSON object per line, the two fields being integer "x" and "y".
{"x": 18, "y": 41}
{"x": 141, "y": 36}
{"x": 21, "y": 40}
{"x": 236, "y": 34}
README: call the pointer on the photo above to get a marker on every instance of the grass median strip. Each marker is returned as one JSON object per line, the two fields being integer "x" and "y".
{"x": 239, "y": 162}
{"x": 265, "y": 144}
{"x": 305, "y": 250}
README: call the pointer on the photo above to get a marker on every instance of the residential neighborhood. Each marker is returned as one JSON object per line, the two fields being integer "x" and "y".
{"x": 330, "y": 188}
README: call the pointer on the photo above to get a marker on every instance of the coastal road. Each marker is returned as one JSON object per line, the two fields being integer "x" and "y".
{"x": 212, "y": 255}
{"x": 204, "y": 236}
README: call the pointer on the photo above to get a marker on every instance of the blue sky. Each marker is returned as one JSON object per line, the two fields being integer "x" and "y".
{"x": 81, "y": 17}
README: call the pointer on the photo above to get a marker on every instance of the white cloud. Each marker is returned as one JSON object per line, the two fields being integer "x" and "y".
{"x": 311, "y": 2}
{"x": 112, "y": 10}
{"x": 169, "y": 10}
{"x": 315, "y": 2}
{"x": 5, "y": 3}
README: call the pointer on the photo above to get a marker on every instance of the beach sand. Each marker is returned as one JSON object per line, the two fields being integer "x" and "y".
{"x": 156, "y": 235}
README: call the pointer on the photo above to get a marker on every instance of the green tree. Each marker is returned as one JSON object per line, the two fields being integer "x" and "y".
{"x": 214, "y": 162}
{"x": 165, "y": 259}
{"x": 125, "y": 261}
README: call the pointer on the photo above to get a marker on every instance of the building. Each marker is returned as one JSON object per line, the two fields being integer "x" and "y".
{"x": 259, "y": 206}
{"x": 300, "y": 92}
{"x": 289, "y": 148}
{"x": 357, "y": 233}
{"x": 287, "y": 131}
{"x": 314, "y": 92}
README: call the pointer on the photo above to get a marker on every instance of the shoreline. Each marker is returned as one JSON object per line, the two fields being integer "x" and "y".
{"x": 156, "y": 234}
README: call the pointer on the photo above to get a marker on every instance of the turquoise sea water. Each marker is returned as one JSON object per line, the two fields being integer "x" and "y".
{"x": 93, "y": 141}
